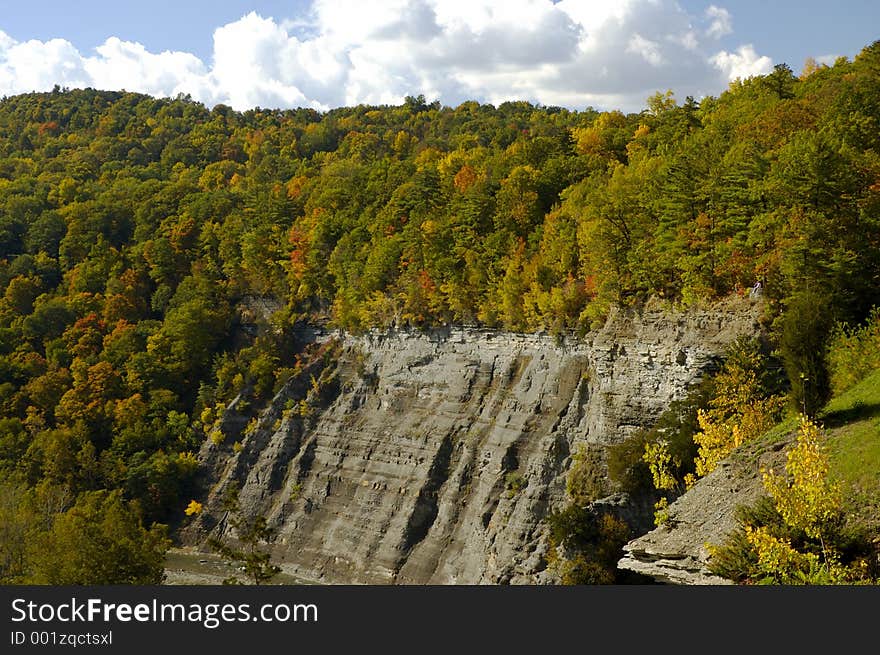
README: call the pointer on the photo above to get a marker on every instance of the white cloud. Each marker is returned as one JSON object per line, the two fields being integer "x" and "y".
{"x": 743, "y": 63}
{"x": 604, "y": 53}
{"x": 38, "y": 65}
{"x": 123, "y": 64}
{"x": 646, "y": 49}
{"x": 720, "y": 22}
{"x": 6, "y": 41}
{"x": 827, "y": 60}
{"x": 689, "y": 40}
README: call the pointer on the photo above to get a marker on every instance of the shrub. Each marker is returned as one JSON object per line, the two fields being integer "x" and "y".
{"x": 628, "y": 469}
{"x": 796, "y": 535}
{"x": 806, "y": 326}
{"x": 592, "y": 542}
{"x": 514, "y": 483}
{"x": 586, "y": 477}
{"x": 745, "y": 403}
{"x": 854, "y": 352}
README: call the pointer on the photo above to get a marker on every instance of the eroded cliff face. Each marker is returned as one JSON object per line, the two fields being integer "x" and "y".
{"x": 433, "y": 457}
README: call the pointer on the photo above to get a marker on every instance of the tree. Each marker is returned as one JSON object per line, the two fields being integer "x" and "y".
{"x": 100, "y": 541}
{"x": 781, "y": 81}
{"x": 806, "y": 498}
{"x": 798, "y": 533}
{"x": 250, "y": 532}
{"x": 809, "y": 502}
{"x": 16, "y": 526}
{"x": 806, "y": 326}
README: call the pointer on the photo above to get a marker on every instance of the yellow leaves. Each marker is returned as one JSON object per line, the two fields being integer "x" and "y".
{"x": 807, "y": 499}
{"x": 810, "y": 67}
{"x": 588, "y": 140}
{"x": 776, "y": 557}
{"x": 737, "y": 414}
{"x": 207, "y": 416}
{"x": 781, "y": 563}
{"x": 403, "y": 142}
{"x": 715, "y": 440}
{"x": 188, "y": 460}
{"x": 193, "y": 508}
{"x": 718, "y": 437}
{"x": 661, "y": 511}
{"x": 294, "y": 187}
{"x": 808, "y": 502}
{"x": 638, "y": 140}
{"x": 660, "y": 462}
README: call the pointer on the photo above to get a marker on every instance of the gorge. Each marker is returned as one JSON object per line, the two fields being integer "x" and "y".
{"x": 434, "y": 456}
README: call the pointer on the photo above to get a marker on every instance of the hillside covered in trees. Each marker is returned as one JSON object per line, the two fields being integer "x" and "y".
{"x": 136, "y": 235}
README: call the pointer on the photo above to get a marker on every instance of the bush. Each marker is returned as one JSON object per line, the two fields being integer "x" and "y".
{"x": 100, "y": 541}
{"x": 586, "y": 478}
{"x": 854, "y": 352}
{"x": 806, "y": 327}
{"x": 736, "y": 559}
{"x": 798, "y": 535}
{"x": 627, "y": 468}
{"x": 592, "y": 541}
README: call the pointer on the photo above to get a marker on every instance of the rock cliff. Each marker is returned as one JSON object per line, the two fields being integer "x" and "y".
{"x": 434, "y": 456}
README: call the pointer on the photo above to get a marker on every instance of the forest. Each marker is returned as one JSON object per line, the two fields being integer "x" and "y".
{"x": 137, "y": 234}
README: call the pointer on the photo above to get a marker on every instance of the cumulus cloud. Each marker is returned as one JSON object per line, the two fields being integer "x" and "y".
{"x": 827, "y": 60}
{"x": 38, "y": 65}
{"x": 121, "y": 63}
{"x": 745, "y": 62}
{"x": 648, "y": 50}
{"x": 720, "y": 22}
{"x": 604, "y": 53}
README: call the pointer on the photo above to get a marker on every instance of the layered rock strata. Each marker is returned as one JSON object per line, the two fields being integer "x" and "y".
{"x": 434, "y": 456}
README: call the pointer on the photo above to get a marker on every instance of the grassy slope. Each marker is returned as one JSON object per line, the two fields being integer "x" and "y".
{"x": 852, "y": 421}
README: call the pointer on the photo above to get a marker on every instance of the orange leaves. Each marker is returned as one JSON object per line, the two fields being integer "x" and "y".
{"x": 50, "y": 127}
{"x": 465, "y": 178}
{"x": 92, "y": 397}
{"x": 295, "y": 186}
{"x": 591, "y": 287}
{"x": 85, "y": 337}
{"x": 426, "y": 283}
{"x": 300, "y": 241}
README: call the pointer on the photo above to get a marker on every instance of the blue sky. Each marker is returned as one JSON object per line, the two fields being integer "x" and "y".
{"x": 158, "y": 24}
{"x": 325, "y": 53}
{"x": 791, "y": 30}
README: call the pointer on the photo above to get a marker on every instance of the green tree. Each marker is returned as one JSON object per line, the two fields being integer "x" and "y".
{"x": 794, "y": 536}
{"x": 806, "y": 328}
{"x": 100, "y": 541}
{"x": 245, "y": 549}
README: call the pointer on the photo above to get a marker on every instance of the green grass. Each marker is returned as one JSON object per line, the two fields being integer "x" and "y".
{"x": 852, "y": 421}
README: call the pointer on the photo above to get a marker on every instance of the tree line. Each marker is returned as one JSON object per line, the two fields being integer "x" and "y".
{"x": 136, "y": 232}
